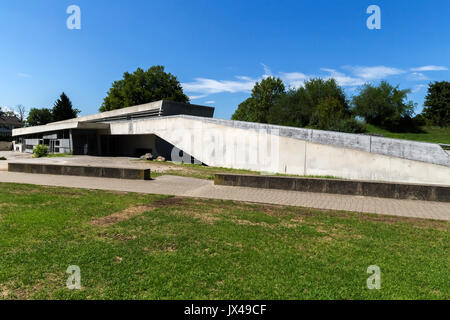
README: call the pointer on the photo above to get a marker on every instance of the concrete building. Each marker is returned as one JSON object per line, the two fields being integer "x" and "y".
{"x": 189, "y": 133}
{"x": 91, "y": 135}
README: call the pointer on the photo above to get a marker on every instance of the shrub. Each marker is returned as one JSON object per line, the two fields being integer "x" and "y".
{"x": 404, "y": 124}
{"x": 332, "y": 115}
{"x": 3, "y": 158}
{"x": 329, "y": 114}
{"x": 383, "y": 105}
{"x": 350, "y": 125}
{"x": 40, "y": 151}
{"x": 264, "y": 96}
{"x": 420, "y": 120}
{"x": 437, "y": 104}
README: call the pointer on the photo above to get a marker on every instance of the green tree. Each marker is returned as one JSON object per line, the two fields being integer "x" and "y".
{"x": 38, "y": 117}
{"x": 319, "y": 104}
{"x": 385, "y": 106}
{"x": 6, "y": 113}
{"x": 437, "y": 104}
{"x": 143, "y": 87}
{"x": 293, "y": 109}
{"x": 264, "y": 96}
{"x": 319, "y": 90}
{"x": 298, "y": 107}
{"x": 63, "y": 109}
{"x": 244, "y": 112}
{"x": 331, "y": 114}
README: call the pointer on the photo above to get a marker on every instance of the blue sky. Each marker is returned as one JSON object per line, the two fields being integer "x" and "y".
{"x": 217, "y": 49}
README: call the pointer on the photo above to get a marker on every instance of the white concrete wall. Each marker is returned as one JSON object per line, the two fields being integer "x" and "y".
{"x": 266, "y": 150}
{"x": 17, "y": 147}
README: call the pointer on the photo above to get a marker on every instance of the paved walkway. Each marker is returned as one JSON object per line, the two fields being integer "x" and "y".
{"x": 119, "y": 162}
{"x": 190, "y": 187}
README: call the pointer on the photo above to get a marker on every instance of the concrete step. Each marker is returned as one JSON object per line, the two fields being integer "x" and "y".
{"x": 337, "y": 186}
{"x": 88, "y": 171}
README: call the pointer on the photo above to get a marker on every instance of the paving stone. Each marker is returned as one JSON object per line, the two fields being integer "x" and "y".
{"x": 191, "y": 187}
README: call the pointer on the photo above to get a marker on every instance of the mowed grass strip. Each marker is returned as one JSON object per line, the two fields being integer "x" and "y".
{"x": 429, "y": 134}
{"x": 210, "y": 249}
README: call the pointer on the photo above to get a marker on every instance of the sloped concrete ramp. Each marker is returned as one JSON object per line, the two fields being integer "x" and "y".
{"x": 285, "y": 150}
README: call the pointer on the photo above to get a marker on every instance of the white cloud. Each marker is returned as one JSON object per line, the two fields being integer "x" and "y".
{"x": 197, "y": 97}
{"x": 244, "y": 78}
{"x": 210, "y": 86}
{"x": 23, "y": 75}
{"x": 430, "y": 68}
{"x": 351, "y": 77}
{"x": 418, "y": 87}
{"x": 352, "y": 89}
{"x": 8, "y": 109}
{"x": 210, "y": 102}
{"x": 373, "y": 73}
{"x": 293, "y": 76}
{"x": 343, "y": 79}
{"x": 267, "y": 71}
{"x": 417, "y": 76}
{"x": 294, "y": 79}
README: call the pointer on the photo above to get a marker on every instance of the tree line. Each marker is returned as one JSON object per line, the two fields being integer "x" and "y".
{"x": 62, "y": 110}
{"x": 322, "y": 104}
{"x": 319, "y": 103}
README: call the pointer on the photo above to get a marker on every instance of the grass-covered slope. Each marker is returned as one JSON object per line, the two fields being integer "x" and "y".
{"x": 430, "y": 134}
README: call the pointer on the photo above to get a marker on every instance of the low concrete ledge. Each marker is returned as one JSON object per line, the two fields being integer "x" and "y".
{"x": 347, "y": 187}
{"x": 87, "y": 171}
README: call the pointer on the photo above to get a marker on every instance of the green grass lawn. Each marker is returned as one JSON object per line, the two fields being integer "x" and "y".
{"x": 180, "y": 248}
{"x": 59, "y": 155}
{"x": 195, "y": 170}
{"x": 431, "y": 134}
{"x": 206, "y": 172}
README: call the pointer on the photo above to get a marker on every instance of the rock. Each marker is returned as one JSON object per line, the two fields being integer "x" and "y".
{"x": 147, "y": 156}
{"x": 162, "y": 159}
